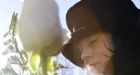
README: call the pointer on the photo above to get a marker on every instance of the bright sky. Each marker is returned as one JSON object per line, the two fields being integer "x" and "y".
{"x": 7, "y": 7}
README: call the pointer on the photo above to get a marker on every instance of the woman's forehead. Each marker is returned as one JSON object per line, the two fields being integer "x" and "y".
{"x": 95, "y": 37}
{"x": 87, "y": 40}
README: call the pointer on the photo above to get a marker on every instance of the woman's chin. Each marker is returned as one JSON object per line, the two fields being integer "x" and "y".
{"x": 96, "y": 71}
{"x": 93, "y": 71}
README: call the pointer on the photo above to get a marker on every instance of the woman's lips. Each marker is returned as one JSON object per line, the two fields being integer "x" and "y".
{"x": 95, "y": 64}
{"x": 91, "y": 64}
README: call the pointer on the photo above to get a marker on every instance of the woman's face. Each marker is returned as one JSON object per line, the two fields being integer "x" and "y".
{"x": 95, "y": 49}
{"x": 95, "y": 52}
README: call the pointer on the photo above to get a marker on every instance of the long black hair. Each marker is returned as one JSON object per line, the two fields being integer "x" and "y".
{"x": 120, "y": 18}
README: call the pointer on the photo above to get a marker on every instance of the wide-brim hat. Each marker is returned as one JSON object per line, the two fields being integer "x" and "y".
{"x": 106, "y": 14}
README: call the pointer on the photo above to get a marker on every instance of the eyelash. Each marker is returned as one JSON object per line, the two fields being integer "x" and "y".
{"x": 92, "y": 42}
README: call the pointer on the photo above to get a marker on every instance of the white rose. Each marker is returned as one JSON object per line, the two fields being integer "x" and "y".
{"x": 39, "y": 28}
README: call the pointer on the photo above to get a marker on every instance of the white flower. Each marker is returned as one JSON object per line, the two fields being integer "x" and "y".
{"x": 39, "y": 28}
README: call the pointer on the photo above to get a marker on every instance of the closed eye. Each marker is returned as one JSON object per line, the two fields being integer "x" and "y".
{"x": 92, "y": 42}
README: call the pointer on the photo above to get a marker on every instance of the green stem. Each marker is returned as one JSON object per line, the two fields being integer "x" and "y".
{"x": 43, "y": 64}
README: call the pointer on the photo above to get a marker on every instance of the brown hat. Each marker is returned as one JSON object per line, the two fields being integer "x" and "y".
{"x": 87, "y": 15}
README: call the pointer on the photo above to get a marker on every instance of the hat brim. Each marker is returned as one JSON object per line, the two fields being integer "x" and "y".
{"x": 72, "y": 54}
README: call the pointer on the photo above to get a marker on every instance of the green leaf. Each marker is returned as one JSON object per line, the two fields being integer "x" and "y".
{"x": 35, "y": 61}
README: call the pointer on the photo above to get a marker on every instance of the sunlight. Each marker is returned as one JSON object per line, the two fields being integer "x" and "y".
{"x": 22, "y": 0}
{"x": 3, "y": 61}
{"x": 20, "y": 46}
{"x": 69, "y": 34}
{"x": 3, "y": 58}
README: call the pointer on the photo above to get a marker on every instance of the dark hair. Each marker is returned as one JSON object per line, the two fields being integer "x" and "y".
{"x": 120, "y": 18}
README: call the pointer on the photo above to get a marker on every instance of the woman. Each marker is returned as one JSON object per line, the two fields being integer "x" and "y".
{"x": 105, "y": 36}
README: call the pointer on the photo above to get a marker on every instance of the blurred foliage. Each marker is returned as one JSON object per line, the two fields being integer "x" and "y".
{"x": 36, "y": 63}
{"x": 11, "y": 50}
{"x": 8, "y": 70}
{"x": 37, "y": 66}
{"x": 13, "y": 23}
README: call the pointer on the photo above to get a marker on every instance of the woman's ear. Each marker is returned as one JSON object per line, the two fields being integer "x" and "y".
{"x": 108, "y": 42}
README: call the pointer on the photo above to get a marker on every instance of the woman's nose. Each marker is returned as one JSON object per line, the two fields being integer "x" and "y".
{"x": 86, "y": 54}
